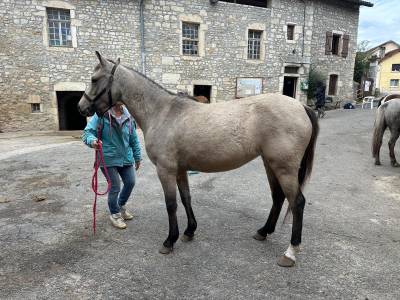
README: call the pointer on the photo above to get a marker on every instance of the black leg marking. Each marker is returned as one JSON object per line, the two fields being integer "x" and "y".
{"x": 168, "y": 182}
{"x": 277, "y": 197}
{"x": 297, "y": 210}
{"x": 184, "y": 191}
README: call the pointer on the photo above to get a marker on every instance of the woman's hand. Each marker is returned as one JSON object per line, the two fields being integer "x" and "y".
{"x": 96, "y": 144}
{"x": 137, "y": 165}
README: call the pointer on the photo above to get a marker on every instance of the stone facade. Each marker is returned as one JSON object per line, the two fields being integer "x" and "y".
{"x": 32, "y": 72}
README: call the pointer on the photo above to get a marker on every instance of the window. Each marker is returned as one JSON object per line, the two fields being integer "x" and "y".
{"x": 59, "y": 22}
{"x": 254, "y": 44}
{"x": 290, "y": 32}
{"x": 190, "y": 38}
{"x": 291, "y": 70}
{"x": 35, "y": 107}
{"x": 394, "y": 82}
{"x": 258, "y": 3}
{"x": 337, "y": 44}
{"x": 396, "y": 68}
{"x": 332, "y": 84}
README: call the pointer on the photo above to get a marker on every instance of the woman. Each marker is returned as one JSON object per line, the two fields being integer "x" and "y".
{"x": 121, "y": 149}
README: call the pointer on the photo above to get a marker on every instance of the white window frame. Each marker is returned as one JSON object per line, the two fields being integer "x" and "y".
{"x": 186, "y": 18}
{"x": 394, "y": 86}
{"x": 75, "y": 23}
{"x": 256, "y": 27}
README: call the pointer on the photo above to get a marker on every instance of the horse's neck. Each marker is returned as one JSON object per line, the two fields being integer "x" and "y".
{"x": 145, "y": 100}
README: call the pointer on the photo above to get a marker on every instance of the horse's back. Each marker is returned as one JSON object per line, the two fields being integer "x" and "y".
{"x": 224, "y": 136}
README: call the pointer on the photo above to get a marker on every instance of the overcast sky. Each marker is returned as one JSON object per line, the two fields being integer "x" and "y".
{"x": 380, "y": 23}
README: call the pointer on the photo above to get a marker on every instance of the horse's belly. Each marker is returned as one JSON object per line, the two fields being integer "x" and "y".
{"x": 216, "y": 163}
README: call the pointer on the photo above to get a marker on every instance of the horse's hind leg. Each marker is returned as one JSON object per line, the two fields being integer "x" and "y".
{"x": 277, "y": 200}
{"x": 393, "y": 138}
{"x": 291, "y": 188}
{"x": 184, "y": 191}
{"x": 168, "y": 182}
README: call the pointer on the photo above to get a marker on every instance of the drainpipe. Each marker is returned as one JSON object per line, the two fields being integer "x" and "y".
{"x": 142, "y": 49}
{"x": 304, "y": 27}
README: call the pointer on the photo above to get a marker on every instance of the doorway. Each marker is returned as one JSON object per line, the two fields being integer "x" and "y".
{"x": 202, "y": 90}
{"x": 69, "y": 117}
{"x": 289, "y": 86}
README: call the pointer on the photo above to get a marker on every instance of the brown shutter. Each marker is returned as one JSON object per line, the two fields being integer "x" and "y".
{"x": 328, "y": 43}
{"x": 345, "y": 45}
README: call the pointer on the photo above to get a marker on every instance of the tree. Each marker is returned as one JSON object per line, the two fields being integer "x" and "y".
{"x": 361, "y": 64}
{"x": 314, "y": 76}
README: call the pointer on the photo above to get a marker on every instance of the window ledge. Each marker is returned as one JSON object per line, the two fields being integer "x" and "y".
{"x": 291, "y": 41}
{"x": 61, "y": 49}
{"x": 188, "y": 57}
{"x": 255, "y": 61}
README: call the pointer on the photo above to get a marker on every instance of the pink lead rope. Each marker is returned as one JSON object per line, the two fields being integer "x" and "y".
{"x": 98, "y": 161}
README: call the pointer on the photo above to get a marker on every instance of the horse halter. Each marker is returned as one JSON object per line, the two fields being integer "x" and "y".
{"x": 107, "y": 89}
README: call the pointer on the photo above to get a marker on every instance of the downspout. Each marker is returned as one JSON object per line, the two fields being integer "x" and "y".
{"x": 142, "y": 49}
{"x": 304, "y": 27}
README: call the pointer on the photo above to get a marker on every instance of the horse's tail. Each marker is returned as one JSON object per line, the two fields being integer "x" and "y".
{"x": 379, "y": 129}
{"x": 308, "y": 158}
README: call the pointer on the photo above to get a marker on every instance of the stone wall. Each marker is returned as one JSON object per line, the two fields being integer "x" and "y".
{"x": 31, "y": 70}
{"x": 28, "y": 66}
{"x": 343, "y": 19}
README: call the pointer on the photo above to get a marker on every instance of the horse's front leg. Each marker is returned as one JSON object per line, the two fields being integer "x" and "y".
{"x": 184, "y": 191}
{"x": 168, "y": 182}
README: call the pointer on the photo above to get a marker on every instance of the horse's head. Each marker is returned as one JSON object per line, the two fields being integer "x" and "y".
{"x": 102, "y": 93}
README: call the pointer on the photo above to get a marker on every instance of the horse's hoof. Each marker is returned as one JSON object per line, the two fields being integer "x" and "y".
{"x": 284, "y": 261}
{"x": 259, "y": 237}
{"x": 395, "y": 164}
{"x": 185, "y": 238}
{"x": 165, "y": 250}
{"x": 377, "y": 163}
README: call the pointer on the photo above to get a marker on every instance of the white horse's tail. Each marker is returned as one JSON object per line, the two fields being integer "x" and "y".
{"x": 379, "y": 129}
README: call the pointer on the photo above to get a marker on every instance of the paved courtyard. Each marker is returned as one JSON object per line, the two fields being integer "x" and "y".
{"x": 351, "y": 235}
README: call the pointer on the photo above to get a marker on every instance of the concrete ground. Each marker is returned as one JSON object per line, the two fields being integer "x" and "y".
{"x": 351, "y": 233}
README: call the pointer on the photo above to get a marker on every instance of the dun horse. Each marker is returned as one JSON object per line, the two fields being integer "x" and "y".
{"x": 388, "y": 115}
{"x": 181, "y": 134}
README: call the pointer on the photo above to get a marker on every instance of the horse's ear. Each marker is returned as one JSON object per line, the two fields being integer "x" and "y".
{"x": 101, "y": 59}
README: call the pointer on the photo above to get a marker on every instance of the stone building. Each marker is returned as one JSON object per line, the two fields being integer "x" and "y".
{"x": 219, "y": 49}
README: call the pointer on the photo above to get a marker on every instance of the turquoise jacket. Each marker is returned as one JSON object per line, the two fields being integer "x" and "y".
{"x": 121, "y": 145}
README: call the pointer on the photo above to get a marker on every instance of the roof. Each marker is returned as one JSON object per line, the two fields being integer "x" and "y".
{"x": 390, "y": 54}
{"x": 361, "y": 3}
{"x": 387, "y": 42}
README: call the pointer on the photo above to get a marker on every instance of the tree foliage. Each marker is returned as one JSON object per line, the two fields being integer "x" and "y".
{"x": 314, "y": 76}
{"x": 361, "y": 64}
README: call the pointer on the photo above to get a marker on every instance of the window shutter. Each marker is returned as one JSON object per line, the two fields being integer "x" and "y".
{"x": 345, "y": 47}
{"x": 328, "y": 43}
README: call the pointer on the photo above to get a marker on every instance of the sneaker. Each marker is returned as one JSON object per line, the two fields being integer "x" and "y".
{"x": 117, "y": 221}
{"x": 126, "y": 215}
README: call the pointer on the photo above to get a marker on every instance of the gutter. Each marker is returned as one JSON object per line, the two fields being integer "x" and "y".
{"x": 142, "y": 48}
{"x": 361, "y": 3}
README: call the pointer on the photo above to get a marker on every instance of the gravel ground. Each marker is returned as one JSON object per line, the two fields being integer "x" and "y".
{"x": 351, "y": 238}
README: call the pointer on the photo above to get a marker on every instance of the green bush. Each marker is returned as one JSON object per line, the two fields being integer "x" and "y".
{"x": 313, "y": 78}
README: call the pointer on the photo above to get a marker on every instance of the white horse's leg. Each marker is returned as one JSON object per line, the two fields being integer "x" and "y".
{"x": 393, "y": 138}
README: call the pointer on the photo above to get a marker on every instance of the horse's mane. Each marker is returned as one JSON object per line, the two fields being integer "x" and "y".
{"x": 160, "y": 86}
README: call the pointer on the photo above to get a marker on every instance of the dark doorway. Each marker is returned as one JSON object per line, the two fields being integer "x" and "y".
{"x": 68, "y": 116}
{"x": 289, "y": 86}
{"x": 202, "y": 90}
